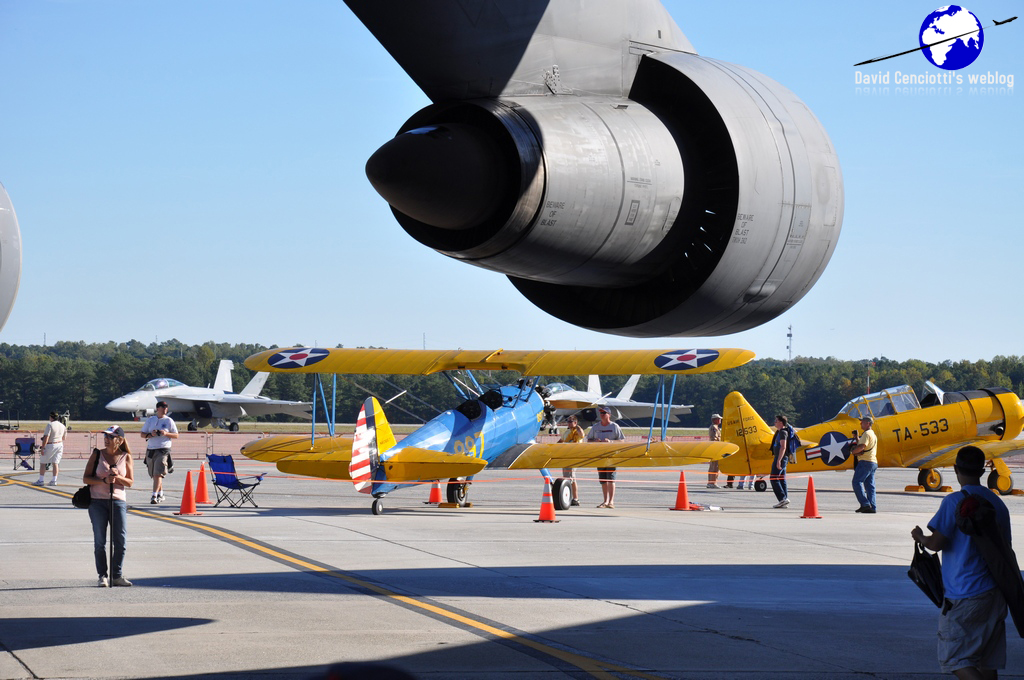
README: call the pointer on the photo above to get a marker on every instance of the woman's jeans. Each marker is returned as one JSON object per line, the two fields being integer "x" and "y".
{"x": 99, "y": 513}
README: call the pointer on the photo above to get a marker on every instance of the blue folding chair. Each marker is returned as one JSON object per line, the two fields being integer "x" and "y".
{"x": 229, "y": 486}
{"x": 25, "y": 452}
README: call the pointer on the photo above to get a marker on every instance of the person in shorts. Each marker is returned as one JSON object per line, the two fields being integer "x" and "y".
{"x": 573, "y": 435}
{"x": 52, "y": 445}
{"x": 606, "y": 431}
{"x": 158, "y": 431}
{"x": 972, "y": 625}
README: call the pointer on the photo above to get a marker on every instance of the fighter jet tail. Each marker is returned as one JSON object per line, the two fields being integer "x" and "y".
{"x": 255, "y": 385}
{"x": 373, "y": 436}
{"x": 223, "y": 380}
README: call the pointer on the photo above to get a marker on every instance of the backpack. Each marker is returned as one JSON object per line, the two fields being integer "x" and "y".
{"x": 792, "y": 442}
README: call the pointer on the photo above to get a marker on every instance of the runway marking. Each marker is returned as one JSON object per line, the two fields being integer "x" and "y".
{"x": 594, "y": 667}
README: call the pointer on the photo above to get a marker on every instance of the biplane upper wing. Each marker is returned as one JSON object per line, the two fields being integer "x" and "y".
{"x": 946, "y": 456}
{"x": 537, "y": 362}
{"x": 621, "y": 454}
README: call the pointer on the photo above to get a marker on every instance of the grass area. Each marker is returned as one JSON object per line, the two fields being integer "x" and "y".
{"x": 284, "y": 428}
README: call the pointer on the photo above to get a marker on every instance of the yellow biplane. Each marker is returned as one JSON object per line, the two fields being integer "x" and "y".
{"x": 492, "y": 427}
{"x": 924, "y": 435}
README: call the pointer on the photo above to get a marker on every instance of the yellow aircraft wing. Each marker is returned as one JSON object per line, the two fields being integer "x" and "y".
{"x": 620, "y": 454}
{"x": 946, "y": 456}
{"x": 326, "y": 457}
{"x": 411, "y": 464}
{"x": 539, "y": 362}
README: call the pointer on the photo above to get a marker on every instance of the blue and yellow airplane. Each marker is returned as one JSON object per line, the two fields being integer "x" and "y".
{"x": 494, "y": 427}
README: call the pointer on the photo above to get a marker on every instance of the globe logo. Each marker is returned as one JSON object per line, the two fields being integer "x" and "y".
{"x": 958, "y": 33}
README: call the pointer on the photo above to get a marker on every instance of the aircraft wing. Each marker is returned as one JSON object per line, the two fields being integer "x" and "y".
{"x": 946, "y": 456}
{"x": 259, "y": 406}
{"x": 620, "y": 454}
{"x": 538, "y": 362}
{"x": 326, "y": 457}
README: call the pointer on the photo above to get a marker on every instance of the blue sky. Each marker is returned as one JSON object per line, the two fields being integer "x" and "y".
{"x": 194, "y": 170}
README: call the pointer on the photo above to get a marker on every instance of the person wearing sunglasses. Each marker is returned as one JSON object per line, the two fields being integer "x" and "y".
{"x": 112, "y": 473}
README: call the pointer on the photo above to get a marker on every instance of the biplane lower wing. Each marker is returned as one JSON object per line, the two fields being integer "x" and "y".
{"x": 413, "y": 464}
{"x": 326, "y": 457}
{"x": 619, "y": 454}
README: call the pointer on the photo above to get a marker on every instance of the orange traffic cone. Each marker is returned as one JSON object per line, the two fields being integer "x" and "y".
{"x": 202, "y": 495}
{"x": 811, "y": 504}
{"x": 547, "y": 506}
{"x": 682, "y": 497}
{"x": 435, "y": 493}
{"x": 188, "y": 501}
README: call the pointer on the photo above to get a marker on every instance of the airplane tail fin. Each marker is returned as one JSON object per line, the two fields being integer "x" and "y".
{"x": 373, "y": 436}
{"x": 255, "y": 385}
{"x": 742, "y": 426}
{"x": 594, "y": 384}
{"x": 627, "y": 390}
{"x": 223, "y": 379}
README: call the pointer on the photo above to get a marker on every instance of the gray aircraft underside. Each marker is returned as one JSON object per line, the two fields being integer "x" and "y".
{"x": 586, "y": 151}
{"x": 10, "y": 256}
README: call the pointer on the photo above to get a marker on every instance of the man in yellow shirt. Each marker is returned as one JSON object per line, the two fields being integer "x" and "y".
{"x": 864, "y": 466}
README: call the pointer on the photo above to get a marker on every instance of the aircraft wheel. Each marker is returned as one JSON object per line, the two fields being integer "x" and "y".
{"x": 760, "y": 485}
{"x": 377, "y": 507}
{"x": 1001, "y": 484}
{"x": 192, "y": 427}
{"x": 457, "y": 491}
{"x": 561, "y": 493}
{"x": 930, "y": 479}
{"x": 233, "y": 427}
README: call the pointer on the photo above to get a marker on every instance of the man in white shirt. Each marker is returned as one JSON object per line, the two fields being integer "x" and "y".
{"x": 158, "y": 432}
{"x": 52, "y": 445}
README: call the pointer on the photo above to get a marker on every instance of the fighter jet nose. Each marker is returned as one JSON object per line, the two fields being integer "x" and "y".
{"x": 121, "y": 404}
{"x": 448, "y": 176}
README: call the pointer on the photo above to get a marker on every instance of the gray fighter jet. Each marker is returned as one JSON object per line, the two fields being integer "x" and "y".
{"x": 586, "y": 151}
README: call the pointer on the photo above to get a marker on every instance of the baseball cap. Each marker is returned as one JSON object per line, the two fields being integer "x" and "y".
{"x": 869, "y": 419}
{"x": 161, "y": 403}
{"x": 114, "y": 431}
{"x": 716, "y": 415}
{"x": 603, "y": 410}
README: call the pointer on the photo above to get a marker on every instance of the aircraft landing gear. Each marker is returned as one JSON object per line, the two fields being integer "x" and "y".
{"x": 377, "y": 507}
{"x": 233, "y": 427}
{"x": 192, "y": 426}
{"x": 930, "y": 479}
{"x": 457, "y": 491}
{"x": 561, "y": 493}
{"x": 760, "y": 485}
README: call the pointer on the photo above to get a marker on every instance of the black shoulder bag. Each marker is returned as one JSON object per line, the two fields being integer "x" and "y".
{"x": 926, "y": 571}
{"x": 83, "y": 497}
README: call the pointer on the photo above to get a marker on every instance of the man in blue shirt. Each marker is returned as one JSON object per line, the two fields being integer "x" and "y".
{"x": 972, "y": 627}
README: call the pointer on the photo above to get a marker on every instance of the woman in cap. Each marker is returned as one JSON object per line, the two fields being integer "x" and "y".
{"x": 111, "y": 473}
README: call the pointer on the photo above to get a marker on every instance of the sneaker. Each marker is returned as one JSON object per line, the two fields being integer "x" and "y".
{"x": 121, "y": 581}
{"x": 712, "y": 486}
{"x": 154, "y": 500}
{"x": 53, "y": 482}
{"x": 728, "y": 485}
{"x": 38, "y": 482}
{"x": 741, "y": 487}
{"x": 782, "y": 504}
{"x": 574, "y": 502}
{"x": 102, "y": 582}
{"x": 869, "y": 510}
{"x": 161, "y": 497}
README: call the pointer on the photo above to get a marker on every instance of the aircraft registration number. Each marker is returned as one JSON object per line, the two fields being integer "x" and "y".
{"x": 923, "y": 429}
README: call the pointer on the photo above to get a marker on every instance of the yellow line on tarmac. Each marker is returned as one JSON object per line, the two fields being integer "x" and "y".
{"x": 597, "y": 669}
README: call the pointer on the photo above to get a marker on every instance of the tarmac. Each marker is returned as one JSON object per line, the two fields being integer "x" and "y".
{"x": 311, "y": 578}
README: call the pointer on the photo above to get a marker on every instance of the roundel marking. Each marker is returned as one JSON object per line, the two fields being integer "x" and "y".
{"x": 297, "y": 357}
{"x": 685, "y": 359}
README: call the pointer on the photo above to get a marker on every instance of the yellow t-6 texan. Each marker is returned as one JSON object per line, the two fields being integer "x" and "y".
{"x": 492, "y": 427}
{"x": 911, "y": 434}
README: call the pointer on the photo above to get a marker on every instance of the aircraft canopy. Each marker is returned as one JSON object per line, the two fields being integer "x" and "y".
{"x": 885, "y": 403}
{"x": 161, "y": 383}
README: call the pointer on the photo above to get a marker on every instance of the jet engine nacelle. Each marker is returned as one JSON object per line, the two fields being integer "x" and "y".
{"x": 10, "y": 256}
{"x": 706, "y": 203}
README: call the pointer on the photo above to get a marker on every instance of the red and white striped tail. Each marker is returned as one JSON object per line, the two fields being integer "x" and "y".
{"x": 360, "y": 468}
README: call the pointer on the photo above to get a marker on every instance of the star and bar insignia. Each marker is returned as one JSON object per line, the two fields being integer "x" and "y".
{"x": 683, "y": 359}
{"x": 833, "y": 449}
{"x": 297, "y": 357}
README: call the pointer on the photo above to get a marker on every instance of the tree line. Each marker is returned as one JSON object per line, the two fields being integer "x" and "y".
{"x": 83, "y": 377}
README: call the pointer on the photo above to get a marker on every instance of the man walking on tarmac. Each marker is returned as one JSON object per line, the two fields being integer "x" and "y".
{"x": 158, "y": 432}
{"x": 972, "y": 626}
{"x": 864, "y": 467}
